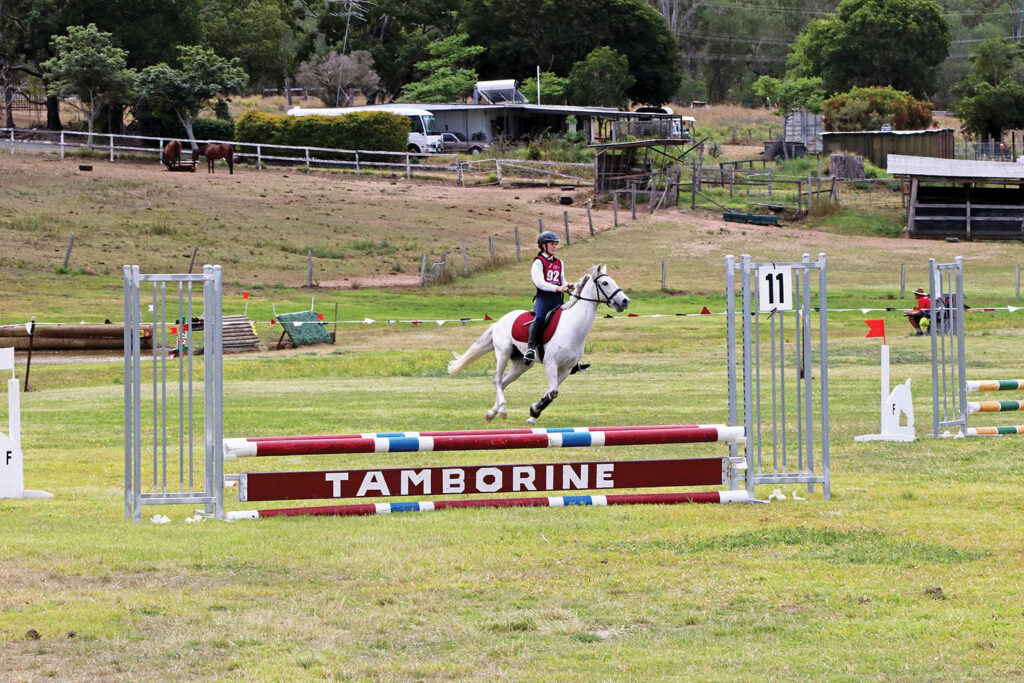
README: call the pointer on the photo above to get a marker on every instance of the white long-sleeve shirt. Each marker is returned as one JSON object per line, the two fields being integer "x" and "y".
{"x": 537, "y": 274}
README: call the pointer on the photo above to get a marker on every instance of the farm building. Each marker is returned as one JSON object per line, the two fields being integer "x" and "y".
{"x": 876, "y": 145}
{"x": 960, "y": 198}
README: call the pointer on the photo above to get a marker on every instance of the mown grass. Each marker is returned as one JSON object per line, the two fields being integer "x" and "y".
{"x": 904, "y": 574}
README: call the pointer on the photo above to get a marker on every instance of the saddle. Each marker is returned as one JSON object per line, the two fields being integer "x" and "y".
{"x": 521, "y": 327}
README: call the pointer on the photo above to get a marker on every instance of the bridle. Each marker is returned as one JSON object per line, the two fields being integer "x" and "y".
{"x": 599, "y": 285}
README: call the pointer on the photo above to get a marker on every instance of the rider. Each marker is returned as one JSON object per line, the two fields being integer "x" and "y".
{"x": 548, "y": 274}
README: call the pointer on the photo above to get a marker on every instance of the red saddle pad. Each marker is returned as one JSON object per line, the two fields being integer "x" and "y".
{"x": 521, "y": 327}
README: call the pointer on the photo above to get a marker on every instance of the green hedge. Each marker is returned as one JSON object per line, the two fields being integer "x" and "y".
{"x": 213, "y": 129}
{"x": 369, "y": 130}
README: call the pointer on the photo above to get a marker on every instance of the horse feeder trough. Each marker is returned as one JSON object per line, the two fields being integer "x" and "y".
{"x": 756, "y": 219}
{"x": 182, "y": 167}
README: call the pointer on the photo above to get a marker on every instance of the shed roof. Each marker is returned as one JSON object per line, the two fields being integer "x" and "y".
{"x": 961, "y": 169}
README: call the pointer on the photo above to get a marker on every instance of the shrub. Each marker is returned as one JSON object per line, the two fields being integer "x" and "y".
{"x": 371, "y": 130}
{"x": 213, "y": 129}
{"x": 869, "y": 108}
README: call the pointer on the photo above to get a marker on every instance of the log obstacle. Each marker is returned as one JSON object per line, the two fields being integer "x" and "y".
{"x": 950, "y": 386}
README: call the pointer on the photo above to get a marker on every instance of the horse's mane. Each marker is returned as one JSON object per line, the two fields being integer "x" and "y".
{"x": 579, "y": 286}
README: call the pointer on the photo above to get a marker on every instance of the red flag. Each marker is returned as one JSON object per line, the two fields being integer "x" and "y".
{"x": 876, "y": 328}
{"x": 705, "y": 311}
{"x": 245, "y": 295}
{"x": 174, "y": 330}
{"x": 632, "y": 315}
{"x": 487, "y": 317}
{"x": 320, "y": 317}
{"x": 272, "y": 321}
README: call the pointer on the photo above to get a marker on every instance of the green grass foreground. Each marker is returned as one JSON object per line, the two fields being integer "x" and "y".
{"x": 913, "y": 571}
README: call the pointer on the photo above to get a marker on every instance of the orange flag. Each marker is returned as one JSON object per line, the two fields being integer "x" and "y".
{"x": 876, "y": 328}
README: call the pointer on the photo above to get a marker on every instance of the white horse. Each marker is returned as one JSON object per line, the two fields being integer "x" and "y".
{"x": 561, "y": 353}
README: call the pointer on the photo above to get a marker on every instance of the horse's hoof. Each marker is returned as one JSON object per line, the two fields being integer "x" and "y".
{"x": 531, "y": 420}
{"x": 489, "y": 415}
{"x": 503, "y": 416}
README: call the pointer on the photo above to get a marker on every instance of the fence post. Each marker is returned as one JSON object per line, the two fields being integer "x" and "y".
{"x": 799, "y": 199}
{"x": 903, "y": 281}
{"x": 693, "y": 186}
{"x": 663, "y": 275}
{"x": 259, "y": 157}
{"x": 540, "y": 225}
{"x": 12, "y": 141}
{"x": 497, "y": 165}
{"x": 309, "y": 267}
{"x": 633, "y": 199}
{"x": 444, "y": 262}
{"x": 357, "y": 163}
{"x": 590, "y": 218}
{"x": 307, "y": 160}
{"x": 810, "y": 191}
{"x": 110, "y": 137}
{"x": 423, "y": 269}
{"x": 408, "y": 169}
{"x": 465, "y": 261}
{"x": 517, "y": 244}
{"x": 67, "y": 256}
{"x": 1017, "y": 279}
{"x": 62, "y": 144}
{"x": 615, "y": 207}
{"x": 490, "y": 243}
{"x": 565, "y": 217}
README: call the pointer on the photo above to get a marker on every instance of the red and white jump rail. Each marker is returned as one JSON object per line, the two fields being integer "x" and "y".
{"x": 740, "y": 496}
{"x": 649, "y": 435}
{"x": 468, "y": 432}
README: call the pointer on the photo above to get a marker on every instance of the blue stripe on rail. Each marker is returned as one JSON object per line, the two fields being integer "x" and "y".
{"x": 577, "y": 500}
{"x": 405, "y": 507}
{"x": 576, "y": 439}
{"x": 404, "y": 444}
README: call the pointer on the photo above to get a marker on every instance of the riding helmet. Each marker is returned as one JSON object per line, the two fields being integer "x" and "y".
{"x": 547, "y": 236}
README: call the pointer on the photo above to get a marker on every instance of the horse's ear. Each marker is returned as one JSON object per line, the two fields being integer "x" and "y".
{"x": 602, "y": 269}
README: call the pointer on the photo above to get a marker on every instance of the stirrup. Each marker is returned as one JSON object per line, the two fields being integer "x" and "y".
{"x": 530, "y": 356}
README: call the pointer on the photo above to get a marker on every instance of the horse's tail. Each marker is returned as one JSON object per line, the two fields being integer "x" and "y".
{"x": 480, "y": 347}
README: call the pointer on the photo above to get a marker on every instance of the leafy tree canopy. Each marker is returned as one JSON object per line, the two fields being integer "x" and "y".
{"x": 88, "y": 66}
{"x": 521, "y": 35}
{"x": 552, "y": 88}
{"x": 790, "y": 94}
{"x": 871, "y": 108}
{"x": 601, "y": 79}
{"x": 993, "y": 109}
{"x": 253, "y": 31}
{"x": 448, "y": 76}
{"x": 900, "y": 43}
{"x": 202, "y": 77}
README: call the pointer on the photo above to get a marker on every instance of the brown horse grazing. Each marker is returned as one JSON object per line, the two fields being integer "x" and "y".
{"x": 214, "y": 152}
{"x": 171, "y": 154}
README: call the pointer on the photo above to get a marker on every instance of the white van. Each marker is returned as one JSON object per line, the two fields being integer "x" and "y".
{"x": 423, "y": 133}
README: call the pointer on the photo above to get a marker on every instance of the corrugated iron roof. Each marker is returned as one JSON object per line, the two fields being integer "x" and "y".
{"x": 931, "y": 167}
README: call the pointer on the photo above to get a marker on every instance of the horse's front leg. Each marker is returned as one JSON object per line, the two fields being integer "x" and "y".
{"x": 555, "y": 378}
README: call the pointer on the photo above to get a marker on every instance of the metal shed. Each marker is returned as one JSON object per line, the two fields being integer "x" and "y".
{"x": 876, "y": 145}
{"x": 960, "y": 198}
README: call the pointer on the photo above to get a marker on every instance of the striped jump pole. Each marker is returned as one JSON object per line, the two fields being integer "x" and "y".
{"x": 995, "y": 385}
{"x": 739, "y": 496}
{"x": 995, "y": 431}
{"x": 994, "y": 406}
{"x": 239, "y": 448}
{"x": 467, "y": 432}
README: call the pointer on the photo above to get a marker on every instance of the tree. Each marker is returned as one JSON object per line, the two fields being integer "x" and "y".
{"x": 900, "y": 43}
{"x": 521, "y": 35}
{"x": 992, "y": 109}
{"x": 601, "y": 79}
{"x": 202, "y": 78}
{"x": 871, "y": 108}
{"x": 448, "y": 79}
{"x": 253, "y": 31}
{"x": 88, "y": 66}
{"x": 355, "y": 71}
{"x": 552, "y": 89}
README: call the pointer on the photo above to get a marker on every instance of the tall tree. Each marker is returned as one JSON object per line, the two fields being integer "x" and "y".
{"x": 203, "y": 77}
{"x": 521, "y": 35}
{"x": 448, "y": 76}
{"x": 88, "y": 66}
{"x": 601, "y": 79}
{"x": 253, "y": 31}
{"x": 900, "y": 43}
{"x": 348, "y": 74}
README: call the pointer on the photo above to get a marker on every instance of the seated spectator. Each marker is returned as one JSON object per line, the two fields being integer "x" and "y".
{"x": 923, "y": 310}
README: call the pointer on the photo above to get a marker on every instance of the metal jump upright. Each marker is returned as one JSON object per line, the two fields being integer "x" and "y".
{"x": 183, "y": 476}
{"x": 778, "y": 374}
{"x": 949, "y": 362}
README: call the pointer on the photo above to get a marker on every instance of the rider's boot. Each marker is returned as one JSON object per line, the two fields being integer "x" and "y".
{"x": 530, "y": 356}
{"x": 531, "y": 347}
{"x": 579, "y": 367}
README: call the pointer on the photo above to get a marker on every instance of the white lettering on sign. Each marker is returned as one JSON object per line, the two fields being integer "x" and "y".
{"x": 336, "y": 478}
{"x": 571, "y": 480}
{"x": 373, "y": 481}
{"x": 453, "y": 481}
{"x": 488, "y": 480}
{"x": 522, "y": 479}
{"x": 603, "y": 473}
{"x": 413, "y": 478}
{"x": 549, "y": 477}
{"x": 775, "y": 288}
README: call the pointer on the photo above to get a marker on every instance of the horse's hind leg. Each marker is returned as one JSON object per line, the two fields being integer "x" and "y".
{"x": 556, "y": 376}
{"x": 499, "y": 407}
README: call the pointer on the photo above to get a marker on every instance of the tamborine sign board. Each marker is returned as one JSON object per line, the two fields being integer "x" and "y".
{"x": 476, "y": 479}
{"x": 775, "y": 288}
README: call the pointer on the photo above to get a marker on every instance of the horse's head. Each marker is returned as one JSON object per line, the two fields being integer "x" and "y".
{"x": 198, "y": 152}
{"x": 597, "y": 285}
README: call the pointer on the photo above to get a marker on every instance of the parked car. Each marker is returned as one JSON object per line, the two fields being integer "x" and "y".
{"x": 457, "y": 142}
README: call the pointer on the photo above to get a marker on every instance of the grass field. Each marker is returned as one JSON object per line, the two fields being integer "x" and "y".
{"x": 912, "y": 571}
